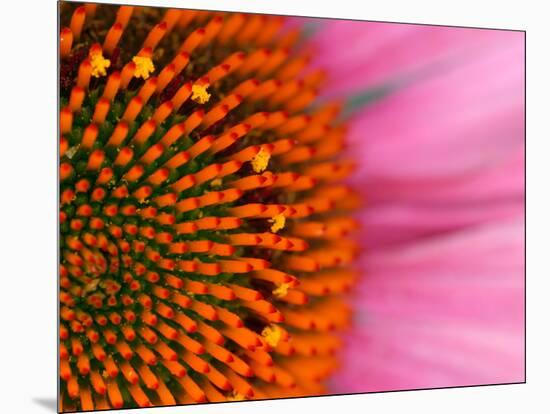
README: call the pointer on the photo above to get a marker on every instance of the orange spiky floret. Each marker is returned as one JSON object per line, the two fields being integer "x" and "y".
{"x": 203, "y": 249}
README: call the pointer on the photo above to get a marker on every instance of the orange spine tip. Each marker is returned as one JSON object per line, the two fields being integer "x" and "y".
{"x": 246, "y": 154}
{"x": 247, "y": 210}
{"x": 104, "y": 176}
{"x": 292, "y": 68}
{"x": 180, "y": 62}
{"x": 98, "y": 194}
{"x": 164, "y": 394}
{"x": 177, "y": 160}
{"x": 111, "y": 88}
{"x": 230, "y": 27}
{"x": 134, "y": 173}
{"x": 314, "y": 132}
{"x": 218, "y": 379}
{"x": 152, "y": 153}
{"x": 187, "y": 204}
{"x": 298, "y": 154}
{"x": 301, "y": 101}
{"x": 194, "y": 391}
{"x": 217, "y": 72}
{"x": 246, "y": 88}
{"x": 115, "y": 397}
{"x": 165, "y": 200}
{"x": 230, "y": 167}
{"x": 232, "y": 101}
{"x": 273, "y": 62}
{"x": 124, "y": 14}
{"x": 252, "y": 26}
{"x": 127, "y": 371}
{"x": 200, "y": 146}
{"x": 238, "y": 383}
{"x": 155, "y": 35}
{"x": 234, "y": 61}
{"x": 210, "y": 333}
{"x": 261, "y": 371}
{"x": 260, "y": 356}
{"x": 275, "y": 119}
{"x": 66, "y": 42}
{"x": 84, "y": 74}
{"x": 256, "y": 120}
{"x": 139, "y": 396}
{"x": 144, "y": 132}
{"x": 97, "y": 383}
{"x": 215, "y": 114}
{"x": 265, "y": 90}
{"x": 124, "y": 156}
{"x": 181, "y": 95}
{"x": 285, "y": 92}
{"x": 184, "y": 183}
{"x": 192, "y": 41}
{"x": 246, "y": 293}
{"x": 315, "y": 78}
{"x": 90, "y": 9}
{"x": 294, "y": 124}
{"x": 86, "y": 399}
{"x": 142, "y": 193}
{"x": 101, "y": 110}
{"x": 165, "y": 77}
{"x": 77, "y": 21}
{"x": 193, "y": 121}
{"x": 269, "y": 30}
{"x": 207, "y": 173}
{"x": 118, "y": 135}
{"x": 65, "y": 171}
{"x": 73, "y": 388}
{"x": 253, "y": 61}
{"x": 133, "y": 109}
{"x": 171, "y": 17}
{"x": 289, "y": 38}
{"x": 249, "y": 183}
{"x": 172, "y": 135}
{"x": 206, "y": 311}
{"x": 148, "y": 89}
{"x": 127, "y": 74}
{"x": 211, "y": 30}
{"x": 76, "y": 99}
{"x": 218, "y": 352}
{"x": 186, "y": 17}
{"x": 89, "y": 136}
{"x": 163, "y": 111}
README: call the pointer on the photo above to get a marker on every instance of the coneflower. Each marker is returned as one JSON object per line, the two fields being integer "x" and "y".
{"x": 202, "y": 214}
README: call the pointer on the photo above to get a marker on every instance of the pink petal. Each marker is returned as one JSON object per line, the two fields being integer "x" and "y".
{"x": 362, "y": 54}
{"x": 443, "y": 131}
{"x": 443, "y": 312}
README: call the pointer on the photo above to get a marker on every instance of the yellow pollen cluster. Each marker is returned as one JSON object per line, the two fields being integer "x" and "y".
{"x": 272, "y": 335}
{"x": 278, "y": 223}
{"x": 281, "y": 290}
{"x": 200, "y": 94}
{"x": 99, "y": 64}
{"x": 90, "y": 287}
{"x": 260, "y": 161}
{"x": 235, "y": 396}
{"x": 144, "y": 67}
{"x": 216, "y": 182}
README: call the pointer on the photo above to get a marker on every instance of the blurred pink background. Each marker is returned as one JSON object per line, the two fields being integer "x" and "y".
{"x": 441, "y": 166}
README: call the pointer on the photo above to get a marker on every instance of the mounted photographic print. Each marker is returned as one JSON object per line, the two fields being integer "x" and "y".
{"x": 256, "y": 206}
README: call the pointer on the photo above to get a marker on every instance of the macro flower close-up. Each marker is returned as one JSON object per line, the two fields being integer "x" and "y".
{"x": 259, "y": 206}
